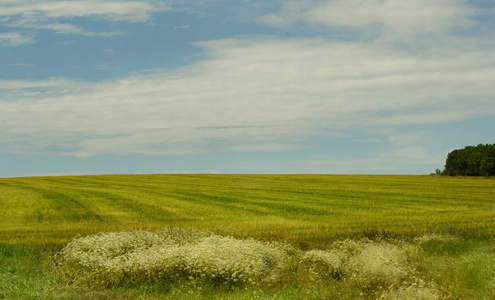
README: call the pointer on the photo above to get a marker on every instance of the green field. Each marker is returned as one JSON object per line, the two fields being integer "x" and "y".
{"x": 299, "y": 208}
{"x": 39, "y": 215}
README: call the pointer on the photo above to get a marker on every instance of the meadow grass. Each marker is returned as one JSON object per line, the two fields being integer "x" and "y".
{"x": 449, "y": 222}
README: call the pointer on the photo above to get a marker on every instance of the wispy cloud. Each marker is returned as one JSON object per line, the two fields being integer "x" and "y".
{"x": 64, "y": 29}
{"x": 109, "y": 51}
{"x": 13, "y": 39}
{"x": 405, "y": 139}
{"x": 182, "y": 27}
{"x": 22, "y": 65}
{"x": 56, "y": 15}
{"x": 130, "y": 11}
{"x": 250, "y": 94}
{"x": 64, "y": 43}
{"x": 387, "y": 19}
{"x": 391, "y": 162}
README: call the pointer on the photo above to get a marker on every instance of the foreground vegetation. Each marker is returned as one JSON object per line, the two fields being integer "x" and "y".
{"x": 345, "y": 237}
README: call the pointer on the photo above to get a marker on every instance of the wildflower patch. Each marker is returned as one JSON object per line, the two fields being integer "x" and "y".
{"x": 384, "y": 269}
{"x": 363, "y": 261}
{"x": 380, "y": 268}
{"x": 176, "y": 254}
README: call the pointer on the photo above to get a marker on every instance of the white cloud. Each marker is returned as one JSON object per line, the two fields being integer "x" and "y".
{"x": 12, "y": 86}
{"x": 62, "y": 28}
{"x": 65, "y": 43}
{"x": 22, "y": 65}
{"x": 130, "y": 11}
{"x": 396, "y": 20}
{"x": 273, "y": 19}
{"x": 405, "y": 139}
{"x": 103, "y": 67}
{"x": 182, "y": 27}
{"x": 413, "y": 154}
{"x": 249, "y": 95}
{"x": 13, "y": 39}
{"x": 46, "y": 15}
{"x": 416, "y": 159}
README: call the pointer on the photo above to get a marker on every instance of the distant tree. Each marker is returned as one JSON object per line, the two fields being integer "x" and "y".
{"x": 471, "y": 161}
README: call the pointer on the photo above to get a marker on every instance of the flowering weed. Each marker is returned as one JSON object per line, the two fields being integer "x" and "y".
{"x": 384, "y": 269}
{"x": 176, "y": 254}
{"x": 376, "y": 267}
{"x": 418, "y": 290}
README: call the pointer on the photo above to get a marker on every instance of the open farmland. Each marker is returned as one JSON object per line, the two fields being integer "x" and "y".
{"x": 429, "y": 237}
{"x": 305, "y": 209}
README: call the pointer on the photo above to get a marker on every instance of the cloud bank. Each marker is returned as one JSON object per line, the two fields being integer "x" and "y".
{"x": 249, "y": 94}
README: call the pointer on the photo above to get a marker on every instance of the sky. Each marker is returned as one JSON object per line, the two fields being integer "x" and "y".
{"x": 243, "y": 86}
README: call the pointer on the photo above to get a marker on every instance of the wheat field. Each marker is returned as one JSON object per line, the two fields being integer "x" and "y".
{"x": 306, "y": 210}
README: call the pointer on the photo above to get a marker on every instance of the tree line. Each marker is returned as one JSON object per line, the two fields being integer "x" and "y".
{"x": 471, "y": 161}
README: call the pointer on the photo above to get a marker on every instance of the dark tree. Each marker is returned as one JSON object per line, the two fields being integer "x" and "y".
{"x": 471, "y": 161}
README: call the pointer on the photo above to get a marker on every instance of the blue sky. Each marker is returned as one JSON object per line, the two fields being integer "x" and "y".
{"x": 248, "y": 86}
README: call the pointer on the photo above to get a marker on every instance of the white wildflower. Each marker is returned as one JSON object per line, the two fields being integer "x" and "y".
{"x": 191, "y": 254}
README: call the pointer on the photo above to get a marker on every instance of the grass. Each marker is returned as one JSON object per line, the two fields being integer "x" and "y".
{"x": 40, "y": 215}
